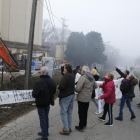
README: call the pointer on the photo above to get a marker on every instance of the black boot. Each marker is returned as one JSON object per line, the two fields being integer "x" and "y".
{"x": 133, "y": 117}
{"x": 119, "y": 118}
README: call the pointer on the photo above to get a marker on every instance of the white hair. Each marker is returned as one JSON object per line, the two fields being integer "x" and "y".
{"x": 86, "y": 69}
{"x": 44, "y": 70}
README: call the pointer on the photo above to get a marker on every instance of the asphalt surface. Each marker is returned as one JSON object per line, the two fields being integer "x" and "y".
{"x": 27, "y": 127}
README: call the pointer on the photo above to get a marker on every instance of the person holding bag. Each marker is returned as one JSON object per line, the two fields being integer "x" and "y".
{"x": 127, "y": 89}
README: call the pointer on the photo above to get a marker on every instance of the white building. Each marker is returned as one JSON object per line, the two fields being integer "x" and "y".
{"x": 60, "y": 53}
{"x": 0, "y": 15}
{"x": 15, "y": 18}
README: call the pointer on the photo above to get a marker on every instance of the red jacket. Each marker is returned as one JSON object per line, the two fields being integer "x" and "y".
{"x": 109, "y": 93}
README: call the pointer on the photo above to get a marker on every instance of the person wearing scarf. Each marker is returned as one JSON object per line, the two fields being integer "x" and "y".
{"x": 109, "y": 97}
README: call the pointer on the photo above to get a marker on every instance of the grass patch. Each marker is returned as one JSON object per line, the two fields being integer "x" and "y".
{"x": 18, "y": 83}
{"x": 18, "y": 109}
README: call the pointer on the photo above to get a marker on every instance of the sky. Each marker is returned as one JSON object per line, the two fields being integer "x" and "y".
{"x": 117, "y": 20}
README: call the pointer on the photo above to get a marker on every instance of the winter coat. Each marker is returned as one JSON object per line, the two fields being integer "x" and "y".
{"x": 109, "y": 92}
{"x": 126, "y": 88}
{"x": 85, "y": 86}
{"x": 96, "y": 77}
{"x": 66, "y": 86}
{"x": 44, "y": 91}
{"x": 121, "y": 73}
{"x": 62, "y": 70}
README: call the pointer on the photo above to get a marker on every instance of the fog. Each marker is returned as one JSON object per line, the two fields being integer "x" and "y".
{"x": 117, "y": 20}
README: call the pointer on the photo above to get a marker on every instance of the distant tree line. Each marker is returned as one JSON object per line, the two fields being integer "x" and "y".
{"x": 85, "y": 49}
{"x": 81, "y": 49}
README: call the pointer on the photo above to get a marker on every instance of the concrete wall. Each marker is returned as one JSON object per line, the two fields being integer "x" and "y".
{"x": 0, "y": 15}
{"x": 59, "y": 54}
{"x": 15, "y": 23}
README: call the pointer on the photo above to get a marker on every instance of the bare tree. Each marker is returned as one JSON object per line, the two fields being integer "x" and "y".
{"x": 51, "y": 35}
{"x": 113, "y": 55}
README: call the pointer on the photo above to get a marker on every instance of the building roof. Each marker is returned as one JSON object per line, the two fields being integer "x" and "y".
{"x": 18, "y": 45}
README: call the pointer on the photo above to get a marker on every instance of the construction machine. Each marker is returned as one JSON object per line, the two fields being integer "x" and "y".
{"x": 8, "y": 58}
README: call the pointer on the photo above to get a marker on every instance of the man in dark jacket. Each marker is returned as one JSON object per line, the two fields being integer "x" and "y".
{"x": 66, "y": 96}
{"x": 76, "y": 70}
{"x": 43, "y": 93}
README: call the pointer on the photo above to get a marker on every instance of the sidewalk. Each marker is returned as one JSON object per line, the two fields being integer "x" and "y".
{"x": 27, "y": 127}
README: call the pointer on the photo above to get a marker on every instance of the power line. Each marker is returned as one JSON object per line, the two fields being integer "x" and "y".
{"x": 52, "y": 16}
{"x": 59, "y": 19}
{"x": 51, "y": 21}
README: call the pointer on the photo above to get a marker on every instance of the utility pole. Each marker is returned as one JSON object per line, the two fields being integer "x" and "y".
{"x": 30, "y": 44}
{"x": 63, "y": 31}
{"x": 63, "y": 37}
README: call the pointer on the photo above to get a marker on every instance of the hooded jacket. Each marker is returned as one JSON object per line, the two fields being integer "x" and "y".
{"x": 85, "y": 86}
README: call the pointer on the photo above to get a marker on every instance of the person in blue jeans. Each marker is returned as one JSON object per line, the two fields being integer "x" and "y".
{"x": 127, "y": 101}
{"x": 43, "y": 92}
{"x": 66, "y": 108}
{"x": 44, "y": 113}
{"x": 127, "y": 88}
{"x": 66, "y": 96}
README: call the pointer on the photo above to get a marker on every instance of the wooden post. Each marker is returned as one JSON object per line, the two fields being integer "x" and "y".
{"x": 30, "y": 44}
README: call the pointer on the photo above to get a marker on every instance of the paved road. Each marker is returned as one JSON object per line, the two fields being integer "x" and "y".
{"x": 27, "y": 127}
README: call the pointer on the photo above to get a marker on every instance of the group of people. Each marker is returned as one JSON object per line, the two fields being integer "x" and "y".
{"x": 84, "y": 87}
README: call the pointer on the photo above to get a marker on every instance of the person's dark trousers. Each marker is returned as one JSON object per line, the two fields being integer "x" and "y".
{"x": 108, "y": 108}
{"x": 44, "y": 120}
{"x": 83, "y": 112}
